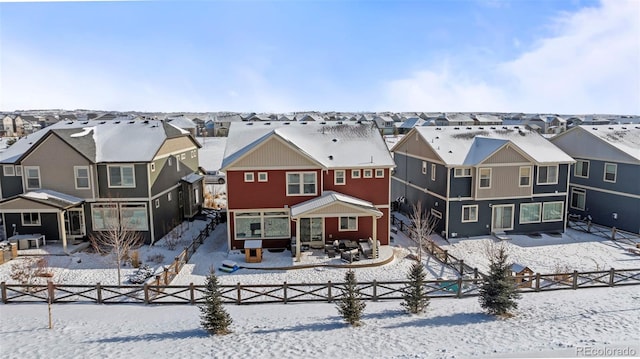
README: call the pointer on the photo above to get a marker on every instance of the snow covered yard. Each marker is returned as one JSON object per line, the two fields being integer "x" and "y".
{"x": 547, "y": 324}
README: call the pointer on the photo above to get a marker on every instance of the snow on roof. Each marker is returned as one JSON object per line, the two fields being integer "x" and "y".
{"x": 330, "y": 197}
{"x": 181, "y": 122}
{"x": 625, "y": 138}
{"x": 192, "y": 178}
{"x": 122, "y": 139}
{"x": 331, "y": 144}
{"x": 53, "y": 197}
{"x": 470, "y": 145}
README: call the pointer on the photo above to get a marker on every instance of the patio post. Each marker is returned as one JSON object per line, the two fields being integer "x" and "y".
{"x": 374, "y": 249}
{"x": 63, "y": 231}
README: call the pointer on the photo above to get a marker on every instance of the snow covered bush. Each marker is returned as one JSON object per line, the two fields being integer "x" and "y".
{"x": 141, "y": 275}
{"x": 213, "y": 317}
{"x": 350, "y": 305}
{"x": 415, "y": 299}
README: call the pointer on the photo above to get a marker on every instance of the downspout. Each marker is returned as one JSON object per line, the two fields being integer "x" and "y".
{"x": 297, "y": 239}
{"x": 63, "y": 232}
{"x": 374, "y": 249}
{"x": 446, "y": 207}
{"x": 566, "y": 199}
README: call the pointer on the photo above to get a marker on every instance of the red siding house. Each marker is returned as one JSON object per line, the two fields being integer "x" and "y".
{"x": 306, "y": 183}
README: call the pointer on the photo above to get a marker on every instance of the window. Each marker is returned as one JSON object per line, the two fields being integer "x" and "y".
{"x": 368, "y": 173}
{"x": 19, "y": 171}
{"x": 581, "y": 169}
{"x": 268, "y": 224}
{"x": 169, "y": 197}
{"x": 104, "y": 216}
{"x": 547, "y": 174}
{"x": 339, "y": 177}
{"x": 525, "y": 176}
{"x": 552, "y": 211}
{"x": 153, "y": 167}
{"x": 433, "y": 171}
{"x": 301, "y": 183}
{"x": 121, "y": 176}
{"x": 470, "y": 213}
{"x": 355, "y": 173}
{"x": 424, "y": 167}
{"x": 170, "y": 161}
{"x": 183, "y": 156}
{"x": 485, "y": 178}
{"x": 177, "y": 164}
{"x": 33, "y": 177}
{"x": 610, "y": 171}
{"x": 578, "y": 198}
{"x": 348, "y": 223}
{"x": 379, "y": 173}
{"x": 263, "y": 176}
{"x": 248, "y": 176}
{"x": 8, "y": 170}
{"x": 81, "y": 174}
{"x": 436, "y": 213}
{"x": 134, "y": 216}
{"x": 194, "y": 153}
{"x": 31, "y": 219}
{"x": 462, "y": 172}
{"x": 157, "y": 203}
{"x": 196, "y": 195}
{"x": 530, "y": 212}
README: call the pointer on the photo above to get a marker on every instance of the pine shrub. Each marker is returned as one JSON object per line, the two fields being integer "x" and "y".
{"x": 415, "y": 299}
{"x": 213, "y": 317}
{"x": 498, "y": 293}
{"x": 351, "y": 305}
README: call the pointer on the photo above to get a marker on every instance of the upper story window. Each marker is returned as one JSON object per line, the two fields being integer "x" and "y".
{"x": 424, "y": 167}
{"x": 485, "y": 178}
{"x": 8, "y": 170}
{"x": 433, "y": 171}
{"x": 462, "y": 172}
{"x": 355, "y": 173}
{"x": 263, "y": 176}
{"x": 121, "y": 176}
{"x": 525, "y": 177}
{"x": 610, "y": 172}
{"x": 548, "y": 174}
{"x": 81, "y": 175}
{"x": 153, "y": 167}
{"x": 339, "y": 177}
{"x": 368, "y": 173}
{"x": 581, "y": 169}
{"x": 248, "y": 177}
{"x": 19, "y": 171}
{"x": 33, "y": 177}
{"x": 301, "y": 183}
{"x": 379, "y": 173}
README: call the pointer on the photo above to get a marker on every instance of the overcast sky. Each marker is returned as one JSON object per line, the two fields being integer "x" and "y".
{"x": 550, "y": 56}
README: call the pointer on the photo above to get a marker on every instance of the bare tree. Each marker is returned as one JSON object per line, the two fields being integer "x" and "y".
{"x": 116, "y": 239}
{"x": 423, "y": 225}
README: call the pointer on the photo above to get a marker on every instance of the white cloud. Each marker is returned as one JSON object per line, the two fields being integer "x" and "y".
{"x": 591, "y": 65}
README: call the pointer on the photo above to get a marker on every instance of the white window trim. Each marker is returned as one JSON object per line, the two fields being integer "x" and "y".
{"x": 248, "y": 177}
{"x": 183, "y": 156}
{"x": 157, "y": 202}
{"x": 133, "y": 173}
{"x": 615, "y": 172}
{"x": 75, "y": 177}
{"x": 8, "y": 170}
{"x": 578, "y": 190}
{"x": 336, "y": 177}
{"x": 424, "y": 167}
{"x": 26, "y": 180}
{"x": 548, "y": 183}
{"x": 18, "y": 171}
{"x": 349, "y": 229}
{"x": 169, "y": 197}
{"x": 38, "y": 221}
{"x": 520, "y": 176}
{"x": 381, "y": 175}
{"x": 480, "y": 177}
{"x": 355, "y": 173}
{"x": 125, "y": 205}
{"x": 465, "y": 172}
{"x": 552, "y": 220}
{"x": 153, "y": 167}
{"x": 539, "y": 204}
{"x": 575, "y": 168}
{"x": 177, "y": 164}
{"x": 471, "y": 219}
{"x": 513, "y": 216}
{"x": 263, "y": 177}
{"x": 315, "y": 181}
{"x": 368, "y": 173}
{"x": 433, "y": 171}
{"x": 101, "y": 207}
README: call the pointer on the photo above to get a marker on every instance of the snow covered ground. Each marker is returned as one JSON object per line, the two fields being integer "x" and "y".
{"x": 557, "y": 324}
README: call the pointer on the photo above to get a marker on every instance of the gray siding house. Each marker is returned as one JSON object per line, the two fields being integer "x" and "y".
{"x": 604, "y": 182}
{"x": 76, "y": 177}
{"x": 481, "y": 180}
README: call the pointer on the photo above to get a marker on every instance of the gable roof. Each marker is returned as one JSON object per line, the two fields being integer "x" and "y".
{"x": 329, "y": 198}
{"x": 469, "y": 146}
{"x": 623, "y": 139}
{"x": 126, "y": 140}
{"x": 331, "y": 145}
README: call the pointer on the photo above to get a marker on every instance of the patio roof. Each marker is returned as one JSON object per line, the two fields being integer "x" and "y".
{"x": 44, "y": 197}
{"x": 334, "y": 203}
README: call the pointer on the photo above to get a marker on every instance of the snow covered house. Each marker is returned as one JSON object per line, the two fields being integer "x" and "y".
{"x": 604, "y": 182}
{"x": 482, "y": 180}
{"x": 296, "y": 183}
{"x": 75, "y": 177}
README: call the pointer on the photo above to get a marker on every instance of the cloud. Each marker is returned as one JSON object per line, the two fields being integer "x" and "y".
{"x": 590, "y": 65}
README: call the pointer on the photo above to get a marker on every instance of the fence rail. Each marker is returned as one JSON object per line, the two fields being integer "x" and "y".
{"x": 243, "y": 294}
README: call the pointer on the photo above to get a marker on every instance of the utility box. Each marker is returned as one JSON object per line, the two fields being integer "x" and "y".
{"x": 253, "y": 251}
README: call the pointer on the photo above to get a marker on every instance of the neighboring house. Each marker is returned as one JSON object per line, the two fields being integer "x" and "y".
{"x": 385, "y": 124}
{"x": 184, "y": 123}
{"x": 409, "y": 123}
{"x": 604, "y": 180}
{"x": 486, "y": 120}
{"x": 11, "y": 125}
{"x": 76, "y": 177}
{"x": 456, "y": 119}
{"x": 482, "y": 180}
{"x": 315, "y": 182}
